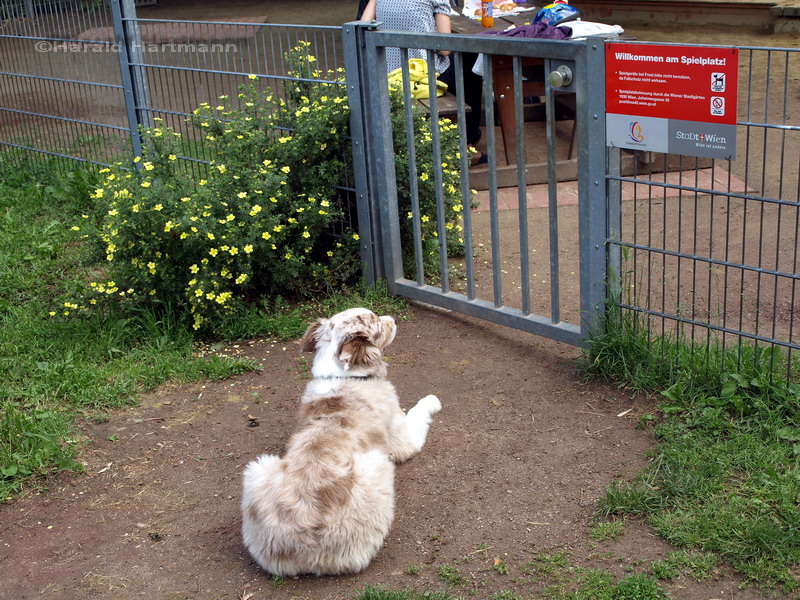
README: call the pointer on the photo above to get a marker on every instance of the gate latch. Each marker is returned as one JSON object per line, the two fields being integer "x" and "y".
{"x": 561, "y": 77}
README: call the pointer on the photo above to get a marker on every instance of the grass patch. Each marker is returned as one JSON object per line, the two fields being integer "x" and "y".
{"x": 548, "y": 577}
{"x": 56, "y": 369}
{"x": 697, "y": 565}
{"x": 380, "y": 593}
{"x": 725, "y": 477}
{"x": 453, "y": 576}
{"x": 607, "y": 530}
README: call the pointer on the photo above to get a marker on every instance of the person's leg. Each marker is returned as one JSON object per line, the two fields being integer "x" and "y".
{"x": 473, "y": 95}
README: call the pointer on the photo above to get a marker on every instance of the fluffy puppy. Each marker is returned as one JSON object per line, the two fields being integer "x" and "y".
{"x": 327, "y": 505}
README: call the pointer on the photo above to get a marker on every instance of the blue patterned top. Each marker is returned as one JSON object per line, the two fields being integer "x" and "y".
{"x": 411, "y": 15}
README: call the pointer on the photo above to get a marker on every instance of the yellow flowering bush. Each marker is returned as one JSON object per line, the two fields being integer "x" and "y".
{"x": 240, "y": 232}
{"x": 268, "y": 215}
{"x": 319, "y": 119}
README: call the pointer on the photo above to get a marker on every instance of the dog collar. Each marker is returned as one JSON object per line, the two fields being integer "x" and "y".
{"x": 362, "y": 377}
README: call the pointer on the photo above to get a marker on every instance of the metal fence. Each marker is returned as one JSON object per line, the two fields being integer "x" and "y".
{"x": 705, "y": 250}
{"x": 66, "y": 71}
{"x": 709, "y": 249}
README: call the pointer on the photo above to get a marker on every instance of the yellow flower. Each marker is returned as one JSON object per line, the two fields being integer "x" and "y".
{"x": 325, "y": 203}
{"x": 148, "y": 166}
{"x": 158, "y": 207}
{"x": 241, "y": 279}
{"x": 145, "y": 184}
{"x": 234, "y": 251}
{"x": 266, "y": 235}
{"x": 137, "y": 159}
{"x": 242, "y": 195}
{"x": 356, "y": 237}
{"x": 287, "y": 256}
{"x": 210, "y": 236}
{"x": 285, "y": 169}
{"x": 172, "y": 157}
{"x": 185, "y": 199}
{"x": 424, "y": 176}
{"x": 194, "y": 268}
{"x": 306, "y": 234}
{"x": 248, "y": 248}
{"x": 213, "y": 252}
{"x": 252, "y": 76}
{"x": 255, "y": 210}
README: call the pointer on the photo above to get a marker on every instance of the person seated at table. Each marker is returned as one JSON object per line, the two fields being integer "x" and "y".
{"x": 429, "y": 16}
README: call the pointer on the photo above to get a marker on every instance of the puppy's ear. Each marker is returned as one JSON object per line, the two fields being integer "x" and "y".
{"x": 311, "y": 337}
{"x": 358, "y": 351}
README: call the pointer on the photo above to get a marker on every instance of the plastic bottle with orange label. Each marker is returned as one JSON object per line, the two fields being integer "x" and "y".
{"x": 487, "y": 14}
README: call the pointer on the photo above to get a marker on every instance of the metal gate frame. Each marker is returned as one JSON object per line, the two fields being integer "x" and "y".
{"x": 378, "y": 201}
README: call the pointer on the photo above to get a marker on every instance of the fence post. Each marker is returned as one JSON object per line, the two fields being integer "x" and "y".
{"x": 592, "y": 211}
{"x": 355, "y": 74}
{"x": 129, "y": 50}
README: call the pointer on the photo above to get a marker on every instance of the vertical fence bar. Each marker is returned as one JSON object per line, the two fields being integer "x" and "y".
{"x": 592, "y": 219}
{"x": 488, "y": 90}
{"x": 138, "y": 77}
{"x": 552, "y": 201}
{"x": 127, "y": 83}
{"x": 466, "y": 193}
{"x": 355, "y": 71}
{"x": 522, "y": 196}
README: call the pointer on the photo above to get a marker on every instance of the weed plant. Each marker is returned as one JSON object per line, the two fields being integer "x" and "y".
{"x": 725, "y": 475}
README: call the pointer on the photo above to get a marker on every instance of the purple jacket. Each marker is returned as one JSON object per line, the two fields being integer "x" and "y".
{"x": 538, "y": 30}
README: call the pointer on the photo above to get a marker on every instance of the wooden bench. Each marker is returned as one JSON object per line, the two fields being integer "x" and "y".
{"x": 447, "y": 105}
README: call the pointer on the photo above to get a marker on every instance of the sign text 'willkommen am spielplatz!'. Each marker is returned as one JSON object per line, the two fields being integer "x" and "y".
{"x": 673, "y": 99}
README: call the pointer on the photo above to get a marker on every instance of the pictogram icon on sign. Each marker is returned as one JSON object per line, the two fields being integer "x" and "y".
{"x": 718, "y": 82}
{"x": 717, "y": 106}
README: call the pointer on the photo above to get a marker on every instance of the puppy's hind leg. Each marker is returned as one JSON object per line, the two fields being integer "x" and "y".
{"x": 409, "y": 431}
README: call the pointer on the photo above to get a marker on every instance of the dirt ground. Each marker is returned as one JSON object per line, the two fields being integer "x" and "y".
{"x": 514, "y": 462}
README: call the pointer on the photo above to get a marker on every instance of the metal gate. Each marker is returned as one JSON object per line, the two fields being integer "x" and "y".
{"x": 415, "y": 184}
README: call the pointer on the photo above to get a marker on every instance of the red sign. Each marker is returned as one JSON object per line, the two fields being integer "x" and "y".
{"x": 688, "y": 83}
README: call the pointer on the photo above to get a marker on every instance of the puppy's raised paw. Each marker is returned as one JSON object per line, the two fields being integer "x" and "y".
{"x": 431, "y": 403}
